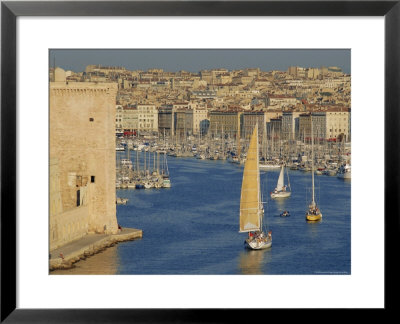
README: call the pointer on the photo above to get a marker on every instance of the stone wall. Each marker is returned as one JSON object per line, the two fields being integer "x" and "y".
{"x": 82, "y": 148}
{"x": 68, "y": 226}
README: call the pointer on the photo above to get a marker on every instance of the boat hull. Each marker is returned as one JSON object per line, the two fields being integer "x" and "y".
{"x": 313, "y": 217}
{"x": 283, "y": 194}
{"x": 258, "y": 245}
{"x": 346, "y": 175}
{"x": 264, "y": 167}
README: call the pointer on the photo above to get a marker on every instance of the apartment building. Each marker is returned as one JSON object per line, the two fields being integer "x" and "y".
{"x": 226, "y": 121}
{"x": 338, "y": 123}
{"x": 130, "y": 119}
{"x": 147, "y": 118}
{"x": 250, "y": 120}
{"x": 166, "y": 120}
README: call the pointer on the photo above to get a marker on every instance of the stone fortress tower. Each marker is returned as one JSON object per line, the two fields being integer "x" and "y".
{"x": 82, "y": 159}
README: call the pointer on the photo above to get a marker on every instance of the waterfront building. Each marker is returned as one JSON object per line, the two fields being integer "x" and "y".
{"x": 250, "y": 120}
{"x": 289, "y": 119}
{"x": 200, "y": 119}
{"x": 130, "y": 119}
{"x": 189, "y": 121}
{"x": 119, "y": 119}
{"x": 272, "y": 113}
{"x": 319, "y": 125}
{"x": 337, "y": 123}
{"x": 274, "y": 128}
{"x": 147, "y": 118}
{"x": 82, "y": 160}
{"x": 166, "y": 120}
{"x": 331, "y": 124}
{"x": 226, "y": 121}
{"x": 304, "y": 126}
{"x": 180, "y": 122}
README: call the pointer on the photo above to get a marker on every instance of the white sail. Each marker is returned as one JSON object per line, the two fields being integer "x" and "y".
{"x": 280, "y": 185}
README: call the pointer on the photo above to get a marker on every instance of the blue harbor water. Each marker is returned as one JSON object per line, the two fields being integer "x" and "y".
{"x": 193, "y": 227}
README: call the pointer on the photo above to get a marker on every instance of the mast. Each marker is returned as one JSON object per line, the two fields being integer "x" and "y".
{"x": 138, "y": 161}
{"x": 287, "y": 174}
{"x": 154, "y": 161}
{"x": 312, "y": 161}
{"x": 144, "y": 166}
{"x": 238, "y": 138}
{"x": 158, "y": 162}
{"x": 264, "y": 149}
{"x": 223, "y": 141}
{"x": 260, "y": 206}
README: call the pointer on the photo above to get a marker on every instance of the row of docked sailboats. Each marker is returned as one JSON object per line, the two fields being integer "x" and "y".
{"x": 251, "y": 215}
{"x": 130, "y": 176}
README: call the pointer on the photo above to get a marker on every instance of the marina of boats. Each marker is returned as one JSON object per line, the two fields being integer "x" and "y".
{"x": 143, "y": 163}
{"x": 142, "y": 169}
{"x": 196, "y": 223}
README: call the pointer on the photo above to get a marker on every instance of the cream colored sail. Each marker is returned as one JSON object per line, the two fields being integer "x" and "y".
{"x": 250, "y": 211}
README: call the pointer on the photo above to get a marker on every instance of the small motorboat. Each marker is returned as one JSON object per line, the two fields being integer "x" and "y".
{"x": 285, "y": 214}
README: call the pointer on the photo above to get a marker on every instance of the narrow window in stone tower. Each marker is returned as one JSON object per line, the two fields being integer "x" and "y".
{"x": 92, "y": 179}
{"x": 78, "y": 198}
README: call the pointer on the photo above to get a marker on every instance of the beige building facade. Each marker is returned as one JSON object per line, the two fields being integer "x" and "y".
{"x": 147, "y": 118}
{"x": 119, "y": 118}
{"x": 130, "y": 118}
{"x": 337, "y": 123}
{"x": 200, "y": 116}
{"x": 330, "y": 124}
{"x": 228, "y": 122}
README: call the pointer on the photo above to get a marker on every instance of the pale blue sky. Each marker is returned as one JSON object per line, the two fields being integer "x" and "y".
{"x": 195, "y": 60}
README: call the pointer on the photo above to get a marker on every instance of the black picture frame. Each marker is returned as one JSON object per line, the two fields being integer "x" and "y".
{"x": 10, "y": 10}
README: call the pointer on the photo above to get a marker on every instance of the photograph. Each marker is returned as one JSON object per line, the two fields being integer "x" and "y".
{"x": 199, "y": 161}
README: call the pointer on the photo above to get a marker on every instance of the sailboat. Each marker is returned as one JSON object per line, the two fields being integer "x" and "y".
{"x": 267, "y": 164}
{"x": 313, "y": 213}
{"x": 165, "y": 174}
{"x": 281, "y": 190}
{"x": 251, "y": 208}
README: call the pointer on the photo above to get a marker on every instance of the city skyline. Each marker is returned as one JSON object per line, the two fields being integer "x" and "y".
{"x": 195, "y": 60}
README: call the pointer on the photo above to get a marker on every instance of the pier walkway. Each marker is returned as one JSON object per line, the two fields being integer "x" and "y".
{"x": 64, "y": 256}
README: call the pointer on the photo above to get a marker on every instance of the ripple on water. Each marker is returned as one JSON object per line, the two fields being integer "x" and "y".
{"x": 192, "y": 228}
